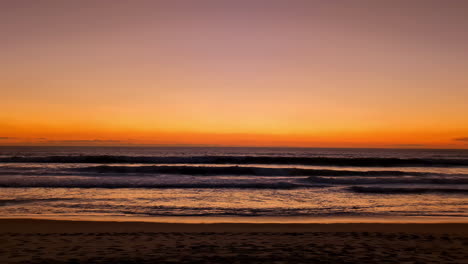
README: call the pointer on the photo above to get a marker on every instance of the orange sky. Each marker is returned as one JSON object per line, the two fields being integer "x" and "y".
{"x": 250, "y": 73}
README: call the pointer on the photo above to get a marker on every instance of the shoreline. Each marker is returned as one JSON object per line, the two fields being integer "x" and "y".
{"x": 25, "y": 225}
{"x": 252, "y": 219}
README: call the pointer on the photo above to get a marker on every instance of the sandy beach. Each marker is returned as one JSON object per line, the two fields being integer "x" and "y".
{"x": 58, "y": 241}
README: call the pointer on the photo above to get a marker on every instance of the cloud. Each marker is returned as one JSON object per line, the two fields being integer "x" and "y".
{"x": 465, "y": 139}
{"x": 6, "y": 138}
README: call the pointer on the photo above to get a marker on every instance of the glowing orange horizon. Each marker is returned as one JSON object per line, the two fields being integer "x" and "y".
{"x": 369, "y": 139}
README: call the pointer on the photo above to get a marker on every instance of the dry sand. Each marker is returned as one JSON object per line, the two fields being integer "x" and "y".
{"x": 49, "y": 241}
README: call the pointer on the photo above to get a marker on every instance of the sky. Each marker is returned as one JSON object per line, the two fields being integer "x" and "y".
{"x": 316, "y": 73}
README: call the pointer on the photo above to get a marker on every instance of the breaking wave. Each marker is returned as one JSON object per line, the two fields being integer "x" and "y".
{"x": 317, "y": 161}
{"x": 405, "y": 190}
{"x": 6, "y": 202}
{"x": 111, "y": 185}
{"x": 237, "y": 170}
{"x": 389, "y": 180}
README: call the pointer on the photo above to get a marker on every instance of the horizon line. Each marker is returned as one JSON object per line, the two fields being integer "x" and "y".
{"x": 234, "y": 146}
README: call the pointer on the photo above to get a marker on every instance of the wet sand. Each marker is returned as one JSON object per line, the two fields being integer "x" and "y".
{"x": 51, "y": 241}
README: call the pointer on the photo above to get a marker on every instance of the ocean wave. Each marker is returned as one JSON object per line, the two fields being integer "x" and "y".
{"x": 17, "y": 168}
{"x": 232, "y": 170}
{"x": 195, "y": 170}
{"x": 237, "y": 170}
{"x": 115, "y": 185}
{"x": 6, "y": 202}
{"x": 389, "y": 180}
{"x": 317, "y": 161}
{"x": 406, "y": 190}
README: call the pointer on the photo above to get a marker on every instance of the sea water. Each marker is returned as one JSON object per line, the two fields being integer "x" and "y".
{"x": 216, "y": 182}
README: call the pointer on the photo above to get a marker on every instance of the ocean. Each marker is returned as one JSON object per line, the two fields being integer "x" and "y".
{"x": 234, "y": 182}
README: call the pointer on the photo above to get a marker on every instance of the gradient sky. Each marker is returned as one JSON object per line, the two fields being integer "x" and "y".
{"x": 260, "y": 73}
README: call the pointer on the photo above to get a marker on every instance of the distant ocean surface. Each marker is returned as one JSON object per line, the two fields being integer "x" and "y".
{"x": 216, "y": 182}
